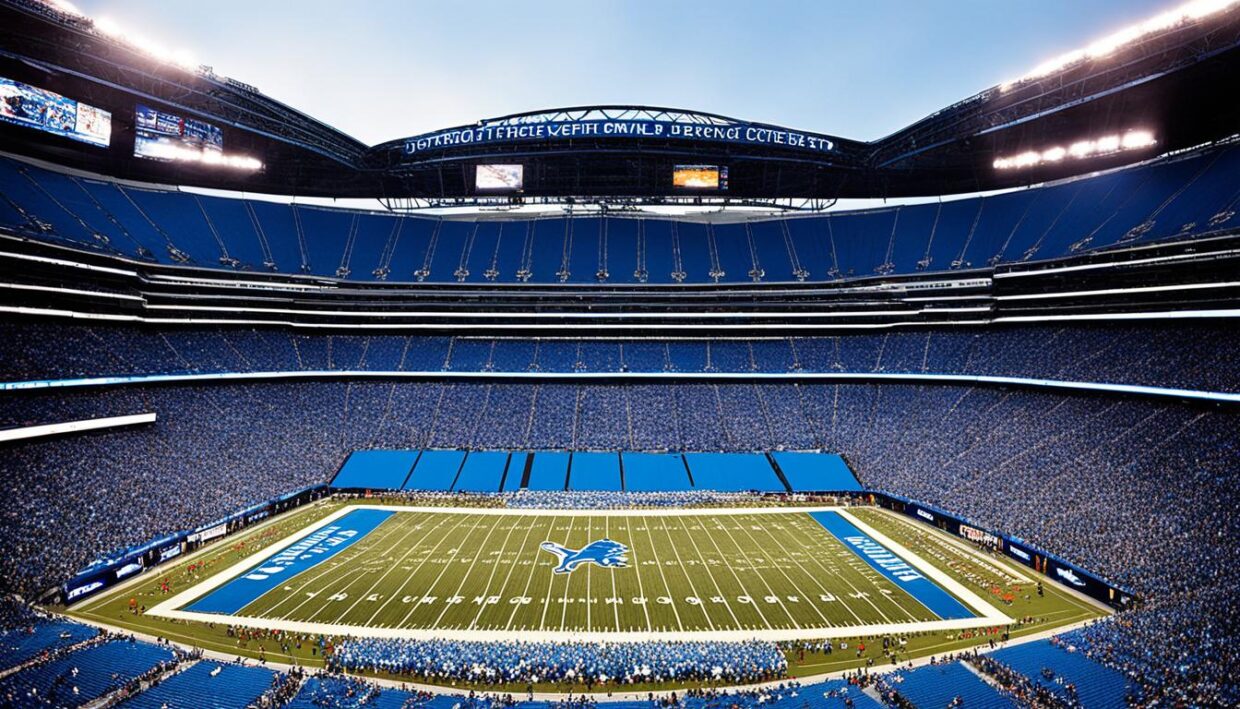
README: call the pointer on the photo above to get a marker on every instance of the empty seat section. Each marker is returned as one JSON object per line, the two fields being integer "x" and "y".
{"x": 442, "y": 259}
{"x": 583, "y": 248}
{"x": 654, "y": 472}
{"x": 594, "y": 471}
{"x": 813, "y": 247}
{"x": 549, "y": 471}
{"x": 29, "y": 641}
{"x": 482, "y": 471}
{"x": 67, "y": 192}
{"x": 733, "y": 472}
{"x": 413, "y": 235}
{"x": 435, "y": 470}
{"x": 85, "y": 675}
{"x": 326, "y": 233}
{"x": 546, "y": 250}
{"x": 231, "y": 221}
{"x": 470, "y": 355}
{"x": 508, "y": 257}
{"x": 954, "y": 223}
{"x": 372, "y": 239}
{"x": 514, "y": 475}
{"x": 377, "y": 469}
{"x": 479, "y": 258}
{"x": 206, "y": 685}
{"x": 731, "y": 243}
{"x": 935, "y": 686}
{"x": 1053, "y": 667}
{"x": 656, "y": 254}
{"x": 696, "y": 258}
{"x": 816, "y": 472}
{"x": 907, "y": 244}
{"x": 620, "y": 256}
{"x": 23, "y": 191}
{"x": 178, "y": 216}
{"x": 277, "y": 226}
{"x": 771, "y": 249}
{"x": 861, "y": 239}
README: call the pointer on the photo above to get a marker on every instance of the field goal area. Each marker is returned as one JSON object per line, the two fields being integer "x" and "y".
{"x": 623, "y": 575}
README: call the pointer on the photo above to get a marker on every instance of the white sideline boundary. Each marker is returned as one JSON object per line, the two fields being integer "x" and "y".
{"x": 988, "y": 614}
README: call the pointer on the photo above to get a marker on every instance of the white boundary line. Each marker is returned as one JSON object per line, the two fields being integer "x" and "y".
{"x": 988, "y": 614}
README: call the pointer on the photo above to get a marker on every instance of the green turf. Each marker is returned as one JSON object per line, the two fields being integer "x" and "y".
{"x": 686, "y": 573}
{"x": 716, "y": 559}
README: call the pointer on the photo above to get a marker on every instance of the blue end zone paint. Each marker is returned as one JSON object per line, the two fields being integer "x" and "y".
{"x": 302, "y": 555}
{"x": 928, "y": 593}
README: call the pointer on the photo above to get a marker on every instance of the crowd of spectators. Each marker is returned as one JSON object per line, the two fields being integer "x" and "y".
{"x": 590, "y": 664}
{"x": 1178, "y": 355}
{"x": 1139, "y": 490}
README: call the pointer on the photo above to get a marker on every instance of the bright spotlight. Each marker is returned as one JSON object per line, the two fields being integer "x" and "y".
{"x": 1105, "y": 145}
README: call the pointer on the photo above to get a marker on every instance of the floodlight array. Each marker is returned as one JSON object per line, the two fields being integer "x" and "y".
{"x": 1098, "y": 147}
{"x": 1189, "y": 12}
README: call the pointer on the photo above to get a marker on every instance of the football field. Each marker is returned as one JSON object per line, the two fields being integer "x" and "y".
{"x": 491, "y": 574}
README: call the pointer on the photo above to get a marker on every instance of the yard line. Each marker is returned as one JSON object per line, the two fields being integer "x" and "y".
{"x": 524, "y": 541}
{"x": 688, "y": 577}
{"x": 542, "y": 622}
{"x": 655, "y": 554}
{"x": 392, "y": 567}
{"x": 568, "y": 580}
{"x": 769, "y": 590}
{"x": 641, "y": 591}
{"x": 726, "y": 603}
{"x": 320, "y": 570}
{"x": 739, "y": 584}
{"x": 529, "y": 578}
{"x": 813, "y": 577}
{"x": 399, "y": 589}
{"x": 468, "y": 572}
{"x": 615, "y": 606}
{"x": 745, "y": 529}
{"x": 860, "y": 572}
{"x": 475, "y": 519}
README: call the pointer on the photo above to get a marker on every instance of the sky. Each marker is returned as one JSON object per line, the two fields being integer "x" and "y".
{"x": 385, "y": 69}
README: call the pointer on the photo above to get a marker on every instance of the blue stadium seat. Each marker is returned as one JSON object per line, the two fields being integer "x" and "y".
{"x": 206, "y": 685}
{"x": 85, "y": 675}
{"x": 935, "y": 686}
{"x": 1054, "y": 667}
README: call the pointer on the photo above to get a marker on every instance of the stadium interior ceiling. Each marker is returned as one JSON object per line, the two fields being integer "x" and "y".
{"x": 1166, "y": 82}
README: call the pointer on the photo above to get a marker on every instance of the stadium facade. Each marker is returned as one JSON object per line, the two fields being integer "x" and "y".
{"x": 648, "y": 336}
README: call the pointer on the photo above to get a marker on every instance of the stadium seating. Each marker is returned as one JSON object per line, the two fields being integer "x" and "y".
{"x": 1054, "y": 668}
{"x": 1183, "y": 197}
{"x": 39, "y": 636}
{"x": 206, "y": 685}
{"x": 347, "y": 693}
{"x": 482, "y": 471}
{"x": 84, "y": 675}
{"x": 733, "y": 472}
{"x": 934, "y": 686}
{"x": 1177, "y": 355}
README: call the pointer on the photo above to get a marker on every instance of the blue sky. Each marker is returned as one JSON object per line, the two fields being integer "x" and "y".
{"x": 384, "y": 69}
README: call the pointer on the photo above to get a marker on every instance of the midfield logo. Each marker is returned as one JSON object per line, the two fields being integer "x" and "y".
{"x": 603, "y": 552}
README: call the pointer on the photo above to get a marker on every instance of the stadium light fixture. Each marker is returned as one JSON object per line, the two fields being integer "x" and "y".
{"x": 1188, "y": 12}
{"x": 179, "y": 57}
{"x": 1098, "y": 147}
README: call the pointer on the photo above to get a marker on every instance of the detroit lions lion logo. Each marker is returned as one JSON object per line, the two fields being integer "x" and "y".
{"x": 603, "y": 552}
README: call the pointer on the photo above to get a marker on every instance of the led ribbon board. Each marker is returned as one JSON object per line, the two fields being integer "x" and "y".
{"x": 738, "y": 133}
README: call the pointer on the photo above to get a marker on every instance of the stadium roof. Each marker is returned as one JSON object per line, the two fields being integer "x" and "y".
{"x": 1145, "y": 90}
